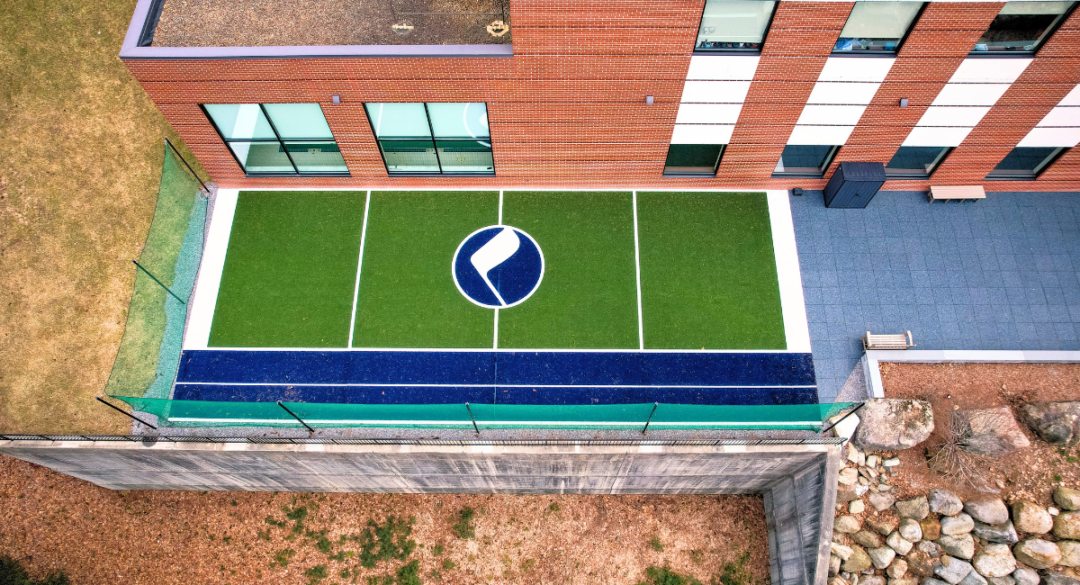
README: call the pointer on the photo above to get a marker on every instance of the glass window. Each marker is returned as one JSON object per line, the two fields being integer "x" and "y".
{"x": 916, "y": 161}
{"x": 461, "y": 141}
{"x": 1022, "y": 26}
{"x": 259, "y": 137}
{"x": 798, "y": 159}
{"x": 877, "y": 27}
{"x": 1025, "y": 163}
{"x": 734, "y": 25}
{"x": 693, "y": 159}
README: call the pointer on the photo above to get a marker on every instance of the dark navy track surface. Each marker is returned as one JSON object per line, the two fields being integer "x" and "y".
{"x": 487, "y": 377}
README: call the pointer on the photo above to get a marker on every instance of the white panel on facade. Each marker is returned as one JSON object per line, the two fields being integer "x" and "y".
{"x": 859, "y": 68}
{"x": 708, "y": 113}
{"x": 702, "y": 133}
{"x": 723, "y": 67}
{"x": 715, "y": 92}
{"x": 928, "y": 136}
{"x": 1052, "y": 137}
{"x": 1062, "y": 116}
{"x": 820, "y": 135}
{"x": 831, "y": 115}
{"x": 1073, "y": 99}
{"x": 968, "y": 116}
{"x": 970, "y": 94}
{"x": 990, "y": 70}
{"x": 843, "y": 93}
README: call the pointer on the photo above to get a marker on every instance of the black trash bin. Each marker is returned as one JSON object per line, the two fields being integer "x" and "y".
{"x": 854, "y": 184}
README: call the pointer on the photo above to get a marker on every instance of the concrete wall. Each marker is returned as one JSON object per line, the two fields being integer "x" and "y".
{"x": 798, "y": 481}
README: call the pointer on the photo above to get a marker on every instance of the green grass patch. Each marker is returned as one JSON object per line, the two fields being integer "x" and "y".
{"x": 407, "y": 295}
{"x": 13, "y": 573}
{"x": 386, "y": 541}
{"x": 588, "y": 298}
{"x": 708, "y": 272}
{"x": 463, "y": 528}
{"x": 290, "y": 270}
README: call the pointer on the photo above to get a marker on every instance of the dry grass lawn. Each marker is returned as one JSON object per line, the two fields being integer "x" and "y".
{"x": 80, "y": 160}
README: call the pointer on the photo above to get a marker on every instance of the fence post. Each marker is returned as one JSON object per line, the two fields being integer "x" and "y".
{"x": 296, "y": 417}
{"x": 654, "y": 405}
{"x": 473, "y": 419}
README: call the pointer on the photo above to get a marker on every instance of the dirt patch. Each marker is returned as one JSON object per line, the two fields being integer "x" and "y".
{"x": 1030, "y": 473}
{"x": 51, "y": 521}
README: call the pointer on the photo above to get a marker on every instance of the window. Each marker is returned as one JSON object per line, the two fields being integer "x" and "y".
{"x": 916, "y": 162}
{"x": 877, "y": 27}
{"x": 804, "y": 160}
{"x": 1021, "y": 27}
{"x": 436, "y": 139}
{"x": 278, "y": 139}
{"x": 1025, "y": 163}
{"x": 734, "y": 25}
{"x": 693, "y": 159}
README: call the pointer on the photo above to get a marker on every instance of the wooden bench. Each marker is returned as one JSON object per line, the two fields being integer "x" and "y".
{"x": 954, "y": 193}
{"x": 889, "y": 341}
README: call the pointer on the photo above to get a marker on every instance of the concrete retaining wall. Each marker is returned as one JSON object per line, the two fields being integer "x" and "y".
{"x": 797, "y": 480}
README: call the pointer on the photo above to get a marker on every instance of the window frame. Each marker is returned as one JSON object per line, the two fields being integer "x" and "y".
{"x": 899, "y": 44}
{"x": 757, "y": 51}
{"x": 1034, "y": 176}
{"x": 829, "y": 158}
{"x": 716, "y": 166}
{"x": 902, "y": 175}
{"x": 434, "y": 144}
{"x": 280, "y": 142}
{"x": 1049, "y": 34}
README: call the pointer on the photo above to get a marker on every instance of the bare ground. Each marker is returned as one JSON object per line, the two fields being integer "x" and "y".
{"x": 52, "y": 522}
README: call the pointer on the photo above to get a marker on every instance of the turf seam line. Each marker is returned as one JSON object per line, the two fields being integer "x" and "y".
{"x": 637, "y": 275}
{"x": 359, "y": 265}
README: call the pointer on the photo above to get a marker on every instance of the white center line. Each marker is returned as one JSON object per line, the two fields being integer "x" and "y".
{"x": 495, "y": 341}
{"x": 637, "y": 269}
{"x": 359, "y": 265}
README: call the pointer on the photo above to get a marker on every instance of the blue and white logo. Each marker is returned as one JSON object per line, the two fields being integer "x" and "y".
{"x": 498, "y": 267}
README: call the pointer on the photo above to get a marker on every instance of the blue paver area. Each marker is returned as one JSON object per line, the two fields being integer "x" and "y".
{"x": 1000, "y": 273}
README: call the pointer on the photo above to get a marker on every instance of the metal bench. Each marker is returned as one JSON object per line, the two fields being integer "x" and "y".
{"x": 888, "y": 341}
{"x": 955, "y": 193}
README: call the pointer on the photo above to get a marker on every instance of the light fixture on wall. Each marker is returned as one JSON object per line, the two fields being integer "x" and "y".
{"x": 903, "y": 102}
{"x": 336, "y": 99}
{"x": 648, "y": 100}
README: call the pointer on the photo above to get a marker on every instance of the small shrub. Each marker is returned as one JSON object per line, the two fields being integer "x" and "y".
{"x": 734, "y": 573}
{"x": 409, "y": 574}
{"x": 13, "y": 573}
{"x": 387, "y": 541}
{"x": 527, "y": 565}
{"x": 316, "y": 573}
{"x": 464, "y": 528}
{"x": 263, "y": 535}
{"x": 344, "y": 573}
{"x": 656, "y": 545}
{"x": 554, "y": 507}
{"x": 437, "y": 550}
{"x": 697, "y": 556}
{"x": 281, "y": 558}
{"x": 278, "y": 523}
{"x": 664, "y": 576}
{"x": 448, "y": 565}
{"x": 434, "y": 575}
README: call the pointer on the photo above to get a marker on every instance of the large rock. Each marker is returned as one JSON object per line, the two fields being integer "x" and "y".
{"x": 945, "y": 503}
{"x": 919, "y": 564}
{"x": 1056, "y": 578}
{"x": 910, "y": 530}
{"x": 858, "y": 562}
{"x": 846, "y": 525}
{"x": 1067, "y": 498}
{"x": 930, "y": 548}
{"x": 904, "y": 581}
{"x": 867, "y": 539}
{"x": 974, "y": 578}
{"x": 915, "y": 508}
{"x": 872, "y": 580}
{"x": 1070, "y": 553}
{"x": 962, "y": 546}
{"x": 1057, "y": 423}
{"x": 848, "y": 476}
{"x": 834, "y": 565}
{"x": 933, "y": 581}
{"x": 846, "y": 493}
{"x": 991, "y": 431}
{"x": 883, "y": 526}
{"x": 881, "y": 557}
{"x": 1037, "y": 553}
{"x": 1025, "y": 576}
{"x": 1031, "y": 518}
{"x": 931, "y": 528}
{"x": 844, "y": 552}
{"x": 897, "y": 569}
{"x": 1001, "y": 581}
{"x": 892, "y": 424}
{"x": 1001, "y": 533}
{"x": 899, "y": 544}
{"x": 959, "y": 524}
{"x": 952, "y": 570}
{"x": 995, "y": 560}
{"x": 1067, "y": 525}
{"x": 882, "y": 502}
{"x": 987, "y": 511}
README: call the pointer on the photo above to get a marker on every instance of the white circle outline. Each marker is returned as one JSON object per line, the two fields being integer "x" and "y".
{"x": 453, "y": 267}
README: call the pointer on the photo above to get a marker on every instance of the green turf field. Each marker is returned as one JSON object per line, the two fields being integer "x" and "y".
{"x": 707, "y": 271}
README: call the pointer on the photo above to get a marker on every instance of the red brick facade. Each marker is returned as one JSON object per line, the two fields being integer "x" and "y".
{"x": 568, "y": 109}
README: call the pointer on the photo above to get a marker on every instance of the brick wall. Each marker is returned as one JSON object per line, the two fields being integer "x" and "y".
{"x": 568, "y": 108}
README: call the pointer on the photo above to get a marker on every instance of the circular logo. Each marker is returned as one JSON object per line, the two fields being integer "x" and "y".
{"x": 498, "y": 267}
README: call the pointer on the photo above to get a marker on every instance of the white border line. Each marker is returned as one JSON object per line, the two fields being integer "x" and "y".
{"x": 788, "y": 274}
{"x": 359, "y": 265}
{"x": 502, "y": 350}
{"x": 637, "y": 273}
{"x": 381, "y": 423}
{"x": 197, "y": 332}
{"x": 425, "y": 385}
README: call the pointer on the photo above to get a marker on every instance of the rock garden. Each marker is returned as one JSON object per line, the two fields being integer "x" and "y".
{"x": 976, "y": 490}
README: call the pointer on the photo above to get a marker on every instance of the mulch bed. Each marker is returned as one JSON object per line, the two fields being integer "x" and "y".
{"x": 51, "y": 521}
{"x": 1030, "y": 473}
